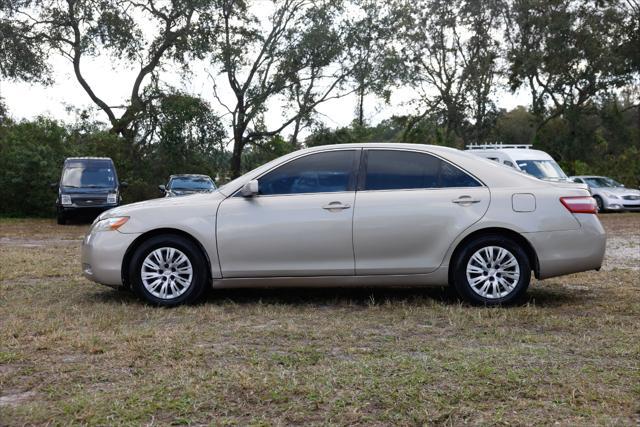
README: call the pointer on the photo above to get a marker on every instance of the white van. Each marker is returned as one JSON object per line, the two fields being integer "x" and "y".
{"x": 523, "y": 158}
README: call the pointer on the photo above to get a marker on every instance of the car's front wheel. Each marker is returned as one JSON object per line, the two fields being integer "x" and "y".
{"x": 492, "y": 270}
{"x": 168, "y": 270}
{"x": 599, "y": 203}
{"x": 61, "y": 218}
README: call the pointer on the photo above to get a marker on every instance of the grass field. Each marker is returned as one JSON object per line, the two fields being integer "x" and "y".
{"x": 73, "y": 352}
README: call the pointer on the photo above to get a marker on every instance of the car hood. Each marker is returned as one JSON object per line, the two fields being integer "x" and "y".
{"x": 173, "y": 193}
{"x": 165, "y": 205}
{"x": 620, "y": 191}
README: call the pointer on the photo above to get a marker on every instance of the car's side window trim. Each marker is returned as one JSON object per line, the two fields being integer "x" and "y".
{"x": 352, "y": 178}
{"x": 362, "y": 183}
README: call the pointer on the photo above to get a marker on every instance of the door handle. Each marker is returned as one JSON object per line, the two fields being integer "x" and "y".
{"x": 465, "y": 200}
{"x": 335, "y": 206}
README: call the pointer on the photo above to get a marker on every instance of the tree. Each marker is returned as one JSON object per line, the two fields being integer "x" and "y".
{"x": 451, "y": 53}
{"x": 517, "y": 127}
{"x": 182, "y": 134}
{"x": 294, "y": 64}
{"x": 80, "y": 29}
{"x": 376, "y": 62}
{"x": 22, "y": 55}
{"x": 567, "y": 53}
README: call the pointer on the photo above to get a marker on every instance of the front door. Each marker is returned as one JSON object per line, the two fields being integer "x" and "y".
{"x": 410, "y": 208}
{"x": 300, "y": 223}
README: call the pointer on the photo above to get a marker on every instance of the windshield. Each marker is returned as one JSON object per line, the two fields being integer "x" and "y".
{"x": 543, "y": 169}
{"x": 194, "y": 183}
{"x": 88, "y": 177}
{"x": 601, "y": 181}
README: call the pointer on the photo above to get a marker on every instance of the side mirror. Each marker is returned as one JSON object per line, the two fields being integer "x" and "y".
{"x": 124, "y": 184}
{"x": 250, "y": 189}
{"x": 162, "y": 188}
{"x": 53, "y": 185}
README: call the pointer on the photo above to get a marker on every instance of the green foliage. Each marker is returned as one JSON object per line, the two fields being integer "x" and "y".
{"x": 183, "y": 136}
{"x": 21, "y": 58}
{"x": 145, "y": 35}
{"x": 31, "y": 154}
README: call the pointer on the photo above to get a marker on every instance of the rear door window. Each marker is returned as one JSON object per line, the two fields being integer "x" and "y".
{"x": 404, "y": 170}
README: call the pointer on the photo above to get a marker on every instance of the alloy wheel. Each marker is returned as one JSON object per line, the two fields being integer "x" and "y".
{"x": 166, "y": 273}
{"x": 493, "y": 272}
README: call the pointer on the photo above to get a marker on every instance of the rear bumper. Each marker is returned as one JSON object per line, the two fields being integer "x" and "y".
{"x": 102, "y": 256}
{"x": 571, "y": 251}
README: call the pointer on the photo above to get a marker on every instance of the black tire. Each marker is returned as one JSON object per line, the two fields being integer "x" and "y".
{"x": 199, "y": 278}
{"x": 599, "y": 203}
{"x": 61, "y": 219}
{"x": 465, "y": 289}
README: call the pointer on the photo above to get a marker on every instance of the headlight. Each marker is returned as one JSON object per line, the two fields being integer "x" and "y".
{"x": 110, "y": 224}
{"x": 65, "y": 199}
{"x": 112, "y": 198}
{"x": 611, "y": 196}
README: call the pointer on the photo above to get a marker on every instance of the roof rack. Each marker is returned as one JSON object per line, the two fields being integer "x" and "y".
{"x": 496, "y": 146}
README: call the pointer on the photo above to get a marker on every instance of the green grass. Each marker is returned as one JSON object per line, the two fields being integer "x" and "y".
{"x": 72, "y": 352}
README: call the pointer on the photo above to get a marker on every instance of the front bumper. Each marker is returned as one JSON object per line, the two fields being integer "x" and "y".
{"x": 70, "y": 210}
{"x": 102, "y": 256}
{"x": 621, "y": 204}
{"x": 571, "y": 251}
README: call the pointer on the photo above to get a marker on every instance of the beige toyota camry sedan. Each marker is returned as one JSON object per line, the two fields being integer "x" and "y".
{"x": 353, "y": 215}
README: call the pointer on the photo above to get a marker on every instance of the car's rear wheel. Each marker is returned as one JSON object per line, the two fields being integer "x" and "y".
{"x": 168, "y": 270}
{"x": 492, "y": 270}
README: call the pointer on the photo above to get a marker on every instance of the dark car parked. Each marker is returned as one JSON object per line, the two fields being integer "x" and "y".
{"x": 184, "y": 184}
{"x": 88, "y": 186}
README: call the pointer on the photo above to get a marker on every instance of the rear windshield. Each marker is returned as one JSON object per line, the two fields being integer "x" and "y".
{"x": 543, "y": 169}
{"x": 192, "y": 183}
{"x": 88, "y": 176}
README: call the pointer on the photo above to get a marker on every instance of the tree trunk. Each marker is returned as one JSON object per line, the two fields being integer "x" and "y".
{"x": 360, "y": 117}
{"x": 236, "y": 157}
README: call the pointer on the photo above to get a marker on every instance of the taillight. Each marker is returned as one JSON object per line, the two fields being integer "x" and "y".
{"x": 580, "y": 204}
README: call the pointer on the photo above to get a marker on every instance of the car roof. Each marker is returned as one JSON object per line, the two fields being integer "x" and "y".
{"x": 589, "y": 176}
{"x": 491, "y": 173}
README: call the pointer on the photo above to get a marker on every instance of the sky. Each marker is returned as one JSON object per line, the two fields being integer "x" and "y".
{"x": 26, "y": 100}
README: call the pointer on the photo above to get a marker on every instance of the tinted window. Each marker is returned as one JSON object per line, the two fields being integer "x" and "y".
{"x": 396, "y": 170}
{"x": 191, "y": 183}
{"x": 316, "y": 173}
{"x": 451, "y": 176}
{"x": 541, "y": 168}
{"x": 88, "y": 176}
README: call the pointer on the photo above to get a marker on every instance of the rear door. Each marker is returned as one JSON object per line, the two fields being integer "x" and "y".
{"x": 410, "y": 206}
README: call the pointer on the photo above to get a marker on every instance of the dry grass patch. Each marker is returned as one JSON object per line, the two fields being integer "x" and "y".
{"x": 75, "y": 352}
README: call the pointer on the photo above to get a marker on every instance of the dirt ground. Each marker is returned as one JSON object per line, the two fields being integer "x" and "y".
{"x": 73, "y": 352}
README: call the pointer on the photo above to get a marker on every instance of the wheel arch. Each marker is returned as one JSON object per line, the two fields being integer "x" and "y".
{"x": 499, "y": 231}
{"x": 158, "y": 232}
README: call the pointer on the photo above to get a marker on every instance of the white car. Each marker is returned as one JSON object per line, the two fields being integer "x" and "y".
{"x": 353, "y": 215}
{"x": 609, "y": 194}
{"x": 522, "y": 158}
